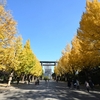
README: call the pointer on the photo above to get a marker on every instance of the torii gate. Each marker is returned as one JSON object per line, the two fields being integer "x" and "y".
{"x": 48, "y": 63}
{"x": 47, "y": 68}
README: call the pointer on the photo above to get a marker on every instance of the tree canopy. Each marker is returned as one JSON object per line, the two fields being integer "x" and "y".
{"x": 13, "y": 54}
{"x": 85, "y": 49}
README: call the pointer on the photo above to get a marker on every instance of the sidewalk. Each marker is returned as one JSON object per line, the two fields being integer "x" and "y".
{"x": 3, "y": 86}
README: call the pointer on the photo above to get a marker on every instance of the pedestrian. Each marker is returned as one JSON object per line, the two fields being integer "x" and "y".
{"x": 69, "y": 83}
{"x": 87, "y": 85}
{"x": 77, "y": 84}
{"x": 74, "y": 83}
{"x": 57, "y": 80}
{"x": 37, "y": 81}
{"x": 18, "y": 79}
{"x": 91, "y": 84}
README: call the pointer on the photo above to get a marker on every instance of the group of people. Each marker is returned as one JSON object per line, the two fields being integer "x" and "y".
{"x": 76, "y": 84}
{"x": 89, "y": 84}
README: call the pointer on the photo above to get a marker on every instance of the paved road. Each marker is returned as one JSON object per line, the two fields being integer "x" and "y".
{"x": 46, "y": 91}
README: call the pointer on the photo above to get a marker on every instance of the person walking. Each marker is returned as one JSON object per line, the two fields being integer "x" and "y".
{"x": 77, "y": 84}
{"x": 91, "y": 84}
{"x": 69, "y": 83}
{"x": 87, "y": 85}
{"x": 37, "y": 81}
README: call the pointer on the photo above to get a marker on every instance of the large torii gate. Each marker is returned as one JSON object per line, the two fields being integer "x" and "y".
{"x": 48, "y": 63}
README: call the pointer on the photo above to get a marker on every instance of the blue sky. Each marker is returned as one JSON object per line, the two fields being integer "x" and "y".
{"x": 49, "y": 24}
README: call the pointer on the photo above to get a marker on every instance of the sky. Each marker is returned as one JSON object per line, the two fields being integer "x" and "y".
{"x": 49, "y": 24}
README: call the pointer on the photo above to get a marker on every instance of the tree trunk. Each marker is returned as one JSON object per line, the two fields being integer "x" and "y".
{"x": 33, "y": 78}
{"x": 23, "y": 78}
{"x": 10, "y": 79}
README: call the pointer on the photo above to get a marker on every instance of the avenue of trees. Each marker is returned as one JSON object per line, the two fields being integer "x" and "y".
{"x": 15, "y": 57}
{"x": 83, "y": 56}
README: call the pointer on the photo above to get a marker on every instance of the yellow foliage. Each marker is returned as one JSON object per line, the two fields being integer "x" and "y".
{"x": 88, "y": 33}
{"x": 7, "y": 37}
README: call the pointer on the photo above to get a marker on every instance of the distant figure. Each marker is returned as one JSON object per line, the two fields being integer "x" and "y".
{"x": 77, "y": 84}
{"x": 37, "y": 81}
{"x": 91, "y": 84}
{"x": 45, "y": 80}
{"x": 69, "y": 83}
{"x": 57, "y": 80}
{"x": 87, "y": 85}
{"x": 18, "y": 79}
{"x": 74, "y": 83}
{"x": 29, "y": 78}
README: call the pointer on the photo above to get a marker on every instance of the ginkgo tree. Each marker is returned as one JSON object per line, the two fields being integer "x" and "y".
{"x": 8, "y": 33}
{"x": 18, "y": 48}
{"x": 85, "y": 50}
{"x": 29, "y": 63}
{"x": 70, "y": 60}
{"x": 14, "y": 57}
{"x": 88, "y": 33}
{"x": 27, "y": 58}
{"x": 74, "y": 57}
{"x": 36, "y": 70}
{"x": 7, "y": 37}
{"x": 63, "y": 63}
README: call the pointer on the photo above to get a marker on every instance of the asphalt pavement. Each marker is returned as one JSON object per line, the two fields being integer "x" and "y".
{"x": 46, "y": 91}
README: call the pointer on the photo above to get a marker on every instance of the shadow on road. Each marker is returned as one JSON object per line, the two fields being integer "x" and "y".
{"x": 49, "y": 91}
